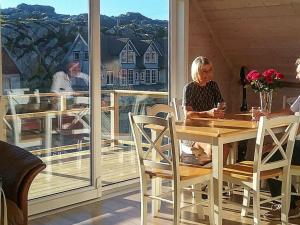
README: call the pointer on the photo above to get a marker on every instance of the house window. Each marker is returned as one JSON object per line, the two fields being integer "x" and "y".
{"x": 153, "y": 57}
{"x": 109, "y": 78}
{"x": 147, "y": 57}
{"x": 76, "y": 55}
{"x": 123, "y": 56}
{"x": 130, "y": 77}
{"x": 142, "y": 77}
{"x": 148, "y": 76}
{"x": 130, "y": 57}
{"x": 136, "y": 76}
{"x": 123, "y": 77}
{"x": 154, "y": 75}
{"x": 86, "y": 55}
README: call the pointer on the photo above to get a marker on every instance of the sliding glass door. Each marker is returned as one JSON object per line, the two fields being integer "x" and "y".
{"x": 46, "y": 84}
{"x": 58, "y": 79}
{"x": 134, "y": 76}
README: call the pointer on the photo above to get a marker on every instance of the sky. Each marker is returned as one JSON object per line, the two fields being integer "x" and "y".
{"x": 154, "y": 9}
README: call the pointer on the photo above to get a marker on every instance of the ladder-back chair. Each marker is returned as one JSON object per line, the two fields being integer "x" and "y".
{"x": 249, "y": 174}
{"x": 168, "y": 167}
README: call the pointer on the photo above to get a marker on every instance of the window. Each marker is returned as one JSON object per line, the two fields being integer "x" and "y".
{"x": 136, "y": 76}
{"x": 86, "y": 56}
{"x": 142, "y": 77}
{"x": 123, "y": 56}
{"x": 154, "y": 75}
{"x": 148, "y": 76}
{"x": 147, "y": 57}
{"x": 109, "y": 78}
{"x": 76, "y": 55}
{"x": 130, "y": 77}
{"x": 153, "y": 57}
{"x": 123, "y": 77}
{"x": 130, "y": 57}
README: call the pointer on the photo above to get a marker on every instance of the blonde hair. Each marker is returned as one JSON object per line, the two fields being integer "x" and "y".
{"x": 197, "y": 66}
{"x": 297, "y": 62}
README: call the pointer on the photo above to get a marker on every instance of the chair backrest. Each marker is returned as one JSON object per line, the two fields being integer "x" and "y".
{"x": 140, "y": 128}
{"x": 179, "y": 112}
{"x": 19, "y": 101}
{"x": 158, "y": 109}
{"x": 264, "y": 162}
{"x": 287, "y": 101}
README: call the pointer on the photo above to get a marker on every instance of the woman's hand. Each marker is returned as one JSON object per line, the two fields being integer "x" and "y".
{"x": 216, "y": 113}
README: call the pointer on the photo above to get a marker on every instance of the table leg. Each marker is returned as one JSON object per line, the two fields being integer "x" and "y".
{"x": 217, "y": 181}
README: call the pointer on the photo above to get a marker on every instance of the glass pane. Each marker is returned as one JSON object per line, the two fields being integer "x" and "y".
{"x": 134, "y": 48}
{"x": 46, "y": 89}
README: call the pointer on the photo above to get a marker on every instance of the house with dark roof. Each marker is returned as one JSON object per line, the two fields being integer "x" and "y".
{"x": 125, "y": 61}
{"x": 78, "y": 52}
{"x": 10, "y": 71}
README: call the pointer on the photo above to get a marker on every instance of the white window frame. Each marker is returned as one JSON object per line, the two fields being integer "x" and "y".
{"x": 75, "y": 54}
{"x": 109, "y": 78}
{"x": 123, "y": 78}
{"x": 153, "y": 76}
{"x": 86, "y": 55}
{"x": 123, "y": 56}
{"x": 130, "y": 75}
{"x": 130, "y": 56}
{"x": 148, "y": 76}
{"x": 136, "y": 76}
{"x": 147, "y": 58}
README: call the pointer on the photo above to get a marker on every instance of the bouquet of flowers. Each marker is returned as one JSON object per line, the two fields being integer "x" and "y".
{"x": 265, "y": 82}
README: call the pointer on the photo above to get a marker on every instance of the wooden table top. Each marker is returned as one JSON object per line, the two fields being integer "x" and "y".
{"x": 232, "y": 123}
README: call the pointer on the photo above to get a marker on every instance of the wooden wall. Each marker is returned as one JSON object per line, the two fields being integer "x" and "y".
{"x": 258, "y": 34}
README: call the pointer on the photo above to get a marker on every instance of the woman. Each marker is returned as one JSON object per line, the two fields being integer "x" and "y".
{"x": 200, "y": 99}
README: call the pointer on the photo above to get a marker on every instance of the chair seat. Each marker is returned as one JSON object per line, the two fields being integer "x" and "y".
{"x": 244, "y": 171}
{"x": 295, "y": 170}
{"x": 186, "y": 172}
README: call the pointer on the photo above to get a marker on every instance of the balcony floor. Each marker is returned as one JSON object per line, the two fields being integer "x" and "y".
{"x": 68, "y": 171}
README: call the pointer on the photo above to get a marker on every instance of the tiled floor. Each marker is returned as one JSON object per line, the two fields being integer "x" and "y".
{"x": 125, "y": 210}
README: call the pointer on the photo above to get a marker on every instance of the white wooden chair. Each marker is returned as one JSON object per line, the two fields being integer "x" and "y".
{"x": 157, "y": 109}
{"x": 287, "y": 101}
{"x": 18, "y": 99}
{"x": 168, "y": 168}
{"x": 179, "y": 112}
{"x": 249, "y": 174}
{"x": 295, "y": 170}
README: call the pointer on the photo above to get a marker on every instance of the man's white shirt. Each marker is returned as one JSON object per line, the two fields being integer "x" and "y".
{"x": 62, "y": 83}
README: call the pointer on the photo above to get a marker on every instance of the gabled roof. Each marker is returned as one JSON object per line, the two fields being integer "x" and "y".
{"x": 77, "y": 39}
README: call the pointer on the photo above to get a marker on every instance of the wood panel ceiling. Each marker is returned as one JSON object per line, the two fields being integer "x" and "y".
{"x": 259, "y": 34}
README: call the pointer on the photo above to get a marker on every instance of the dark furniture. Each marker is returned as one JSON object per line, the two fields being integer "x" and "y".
{"x": 18, "y": 168}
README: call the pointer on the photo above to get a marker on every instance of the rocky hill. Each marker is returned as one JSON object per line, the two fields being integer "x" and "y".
{"x": 38, "y": 38}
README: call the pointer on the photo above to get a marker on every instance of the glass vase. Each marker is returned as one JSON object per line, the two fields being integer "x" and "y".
{"x": 266, "y": 101}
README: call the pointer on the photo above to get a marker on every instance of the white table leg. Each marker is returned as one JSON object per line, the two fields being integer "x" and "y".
{"x": 217, "y": 180}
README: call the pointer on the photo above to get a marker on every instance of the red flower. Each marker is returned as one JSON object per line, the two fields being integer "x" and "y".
{"x": 269, "y": 72}
{"x": 253, "y": 75}
{"x": 279, "y": 76}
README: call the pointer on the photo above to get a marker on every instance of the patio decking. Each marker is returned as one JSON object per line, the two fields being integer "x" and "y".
{"x": 71, "y": 170}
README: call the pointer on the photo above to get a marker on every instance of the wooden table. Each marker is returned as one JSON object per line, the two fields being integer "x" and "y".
{"x": 216, "y": 132}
